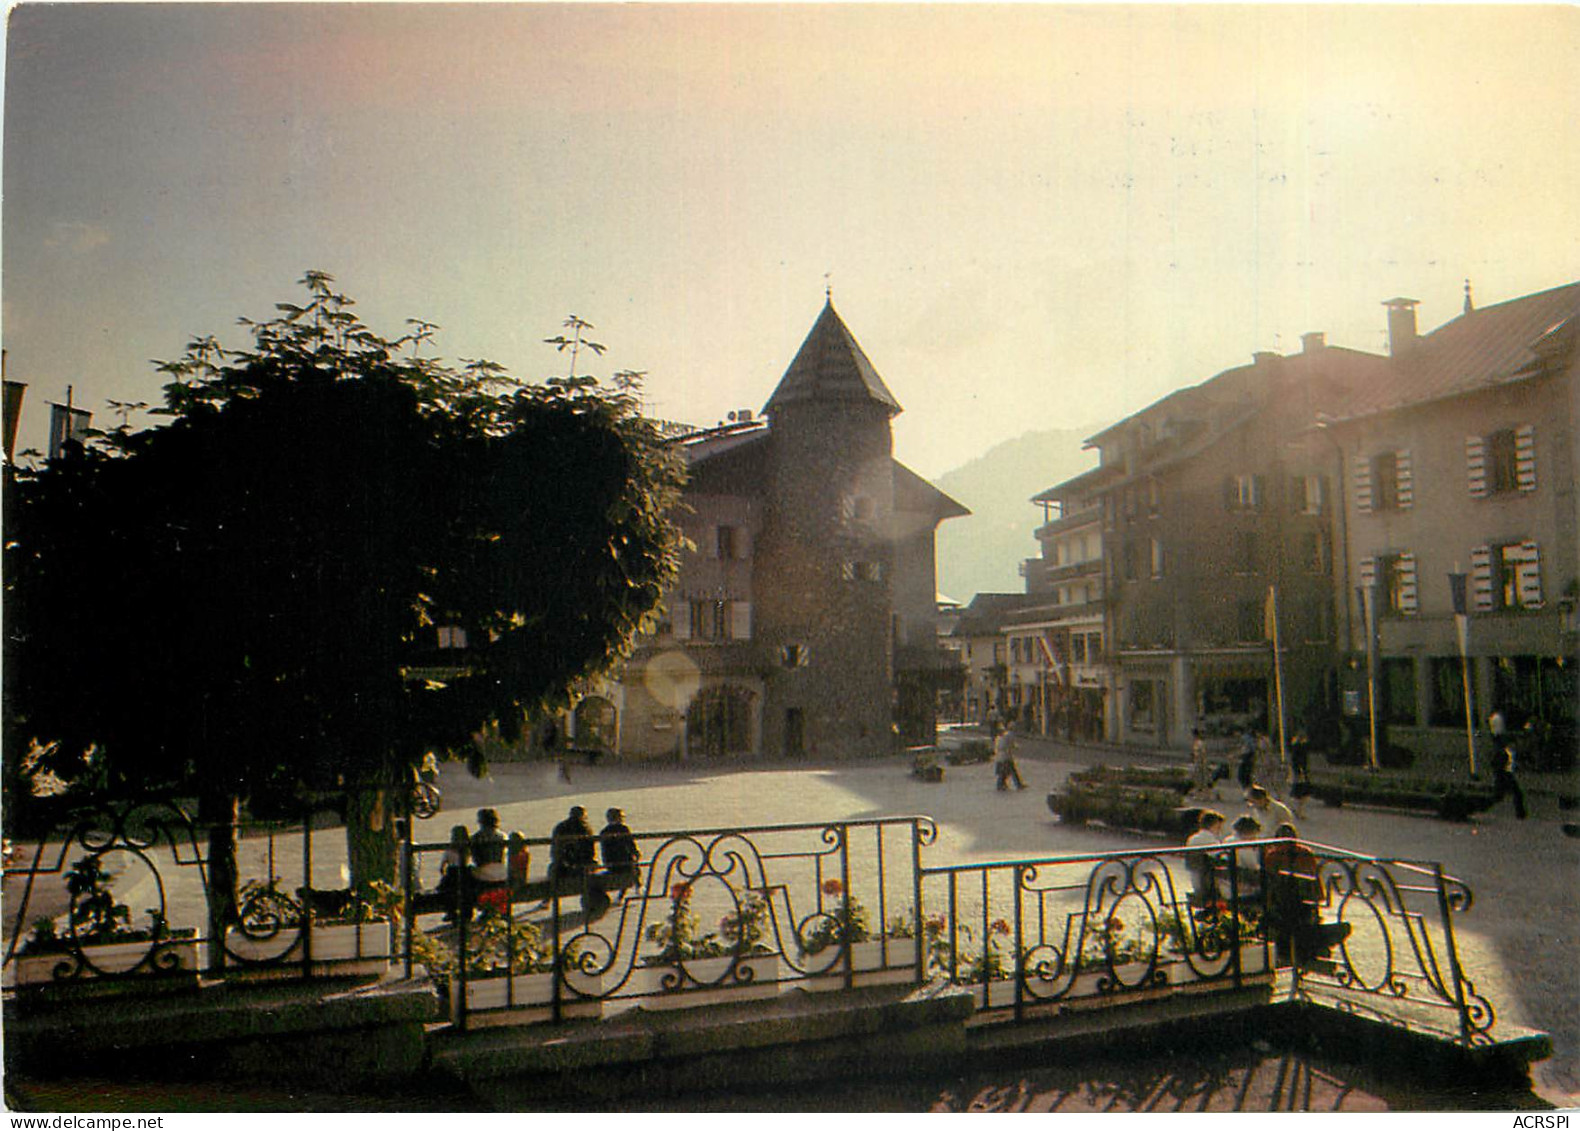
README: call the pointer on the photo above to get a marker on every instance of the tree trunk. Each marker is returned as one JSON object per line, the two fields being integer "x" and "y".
{"x": 220, "y": 812}
{"x": 372, "y": 850}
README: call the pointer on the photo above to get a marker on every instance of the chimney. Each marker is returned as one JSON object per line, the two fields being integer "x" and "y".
{"x": 1263, "y": 357}
{"x": 1401, "y": 324}
{"x": 1312, "y": 342}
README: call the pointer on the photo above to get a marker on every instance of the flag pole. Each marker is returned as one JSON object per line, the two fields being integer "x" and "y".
{"x": 1278, "y": 673}
{"x": 1456, "y": 588}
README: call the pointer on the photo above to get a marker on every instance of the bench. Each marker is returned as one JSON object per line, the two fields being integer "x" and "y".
{"x": 533, "y": 891}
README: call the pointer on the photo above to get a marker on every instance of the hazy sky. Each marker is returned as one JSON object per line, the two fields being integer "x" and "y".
{"x": 1032, "y": 216}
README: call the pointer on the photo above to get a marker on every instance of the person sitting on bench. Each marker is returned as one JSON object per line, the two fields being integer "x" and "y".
{"x": 1204, "y": 866}
{"x": 455, "y": 886}
{"x": 1294, "y": 896}
{"x": 492, "y": 881}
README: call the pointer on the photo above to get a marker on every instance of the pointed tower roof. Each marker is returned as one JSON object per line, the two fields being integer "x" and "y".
{"x": 831, "y": 367}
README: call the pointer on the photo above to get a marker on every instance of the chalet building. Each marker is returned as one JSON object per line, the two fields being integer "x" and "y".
{"x": 1461, "y": 459}
{"x": 1062, "y": 633}
{"x": 980, "y": 640}
{"x": 1204, "y": 507}
{"x": 804, "y": 620}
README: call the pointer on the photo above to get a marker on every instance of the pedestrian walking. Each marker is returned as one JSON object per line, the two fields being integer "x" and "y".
{"x": 1245, "y": 772}
{"x": 1202, "y": 779}
{"x": 1503, "y": 779}
{"x": 1300, "y": 770}
{"x": 1004, "y": 760}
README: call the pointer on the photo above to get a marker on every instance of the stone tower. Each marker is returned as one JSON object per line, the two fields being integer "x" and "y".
{"x": 824, "y": 621}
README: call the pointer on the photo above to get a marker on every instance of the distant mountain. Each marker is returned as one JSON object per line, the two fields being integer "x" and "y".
{"x": 982, "y": 553}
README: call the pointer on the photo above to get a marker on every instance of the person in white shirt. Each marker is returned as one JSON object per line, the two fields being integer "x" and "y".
{"x": 1004, "y": 760}
{"x": 1204, "y": 866}
{"x": 1247, "y": 861}
{"x": 1270, "y": 812}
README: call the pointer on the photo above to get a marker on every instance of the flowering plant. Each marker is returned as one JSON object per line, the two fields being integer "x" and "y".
{"x": 747, "y": 927}
{"x": 962, "y": 962}
{"x": 677, "y": 935}
{"x": 846, "y": 922}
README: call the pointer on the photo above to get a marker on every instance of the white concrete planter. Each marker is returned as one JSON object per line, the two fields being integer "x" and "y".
{"x": 339, "y": 950}
{"x": 709, "y": 982}
{"x": 1253, "y": 965}
{"x": 867, "y": 963}
{"x": 1125, "y": 982}
{"x": 526, "y": 999}
{"x": 174, "y": 961}
{"x": 995, "y": 995}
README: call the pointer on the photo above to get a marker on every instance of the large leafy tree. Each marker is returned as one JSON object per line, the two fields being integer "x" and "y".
{"x": 248, "y": 596}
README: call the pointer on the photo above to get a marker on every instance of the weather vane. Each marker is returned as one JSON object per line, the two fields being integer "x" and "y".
{"x": 828, "y": 287}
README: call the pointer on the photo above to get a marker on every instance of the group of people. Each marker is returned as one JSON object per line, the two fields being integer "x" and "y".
{"x": 1254, "y": 764}
{"x": 486, "y": 870}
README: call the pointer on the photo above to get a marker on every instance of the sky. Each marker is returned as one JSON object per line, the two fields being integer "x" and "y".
{"x": 1030, "y": 216}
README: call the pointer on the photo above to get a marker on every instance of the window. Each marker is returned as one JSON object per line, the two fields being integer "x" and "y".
{"x": 452, "y": 636}
{"x": 1249, "y": 621}
{"x": 1390, "y": 573}
{"x": 1396, "y": 688}
{"x": 1242, "y": 492}
{"x": 725, "y": 543}
{"x": 710, "y": 620}
{"x": 1518, "y": 583}
{"x": 1154, "y": 498}
{"x": 1308, "y": 494}
{"x": 856, "y": 508}
{"x": 1131, "y": 568}
{"x": 1385, "y": 481}
{"x": 1157, "y": 559}
{"x": 1313, "y": 613}
{"x": 796, "y": 655}
{"x": 1245, "y": 558}
{"x": 1316, "y": 551}
{"x": 1078, "y": 649}
{"x": 1447, "y": 707}
{"x": 1502, "y": 467}
{"x": 1143, "y": 705}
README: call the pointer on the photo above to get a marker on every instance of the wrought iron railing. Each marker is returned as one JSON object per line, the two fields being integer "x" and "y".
{"x": 714, "y": 913}
{"x": 1363, "y": 933}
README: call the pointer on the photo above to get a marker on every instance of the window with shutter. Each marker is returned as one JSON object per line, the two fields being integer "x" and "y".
{"x": 1363, "y": 484}
{"x": 740, "y": 620}
{"x": 1476, "y": 466}
{"x": 1482, "y": 598}
{"x": 1408, "y": 600}
{"x": 1530, "y": 577}
{"x": 1368, "y": 572}
{"x": 1404, "y": 481}
{"x": 1525, "y": 457}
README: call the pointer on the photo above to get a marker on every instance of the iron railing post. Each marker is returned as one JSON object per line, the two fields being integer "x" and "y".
{"x": 307, "y": 892}
{"x": 916, "y": 901}
{"x": 844, "y": 880}
{"x": 1444, "y": 907}
{"x": 1020, "y": 953}
{"x": 408, "y": 908}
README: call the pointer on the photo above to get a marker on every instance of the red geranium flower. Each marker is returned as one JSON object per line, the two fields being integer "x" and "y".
{"x": 832, "y": 887}
{"x": 1115, "y": 924}
{"x": 1000, "y": 926}
{"x": 680, "y": 893}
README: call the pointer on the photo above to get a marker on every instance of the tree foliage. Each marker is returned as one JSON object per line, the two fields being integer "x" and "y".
{"x": 251, "y": 592}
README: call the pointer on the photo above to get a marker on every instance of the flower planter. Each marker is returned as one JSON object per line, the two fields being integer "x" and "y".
{"x": 995, "y": 995}
{"x": 339, "y": 950}
{"x": 112, "y": 967}
{"x": 1253, "y": 967}
{"x": 1126, "y": 982}
{"x": 867, "y": 965}
{"x": 709, "y": 981}
{"x": 494, "y": 1000}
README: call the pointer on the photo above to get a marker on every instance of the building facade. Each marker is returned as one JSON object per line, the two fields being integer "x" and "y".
{"x": 1463, "y": 462}
{"x": 803, "y": 622}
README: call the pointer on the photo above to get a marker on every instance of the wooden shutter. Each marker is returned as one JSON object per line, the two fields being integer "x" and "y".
{"x": 740, "y": 620}
{"x": 1481, "y": 599}
{"x": 1476, "y": 466}
{"x": 680, "y": 619}
{"x": 1404, "y": 479}
{"x": 1368, "y": 572}
{"x": 1525, "y": 457}
{"x": 1408, "y": 599}
{"x": 1363, "y": 484}
{"x": 1528, "y": 576}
